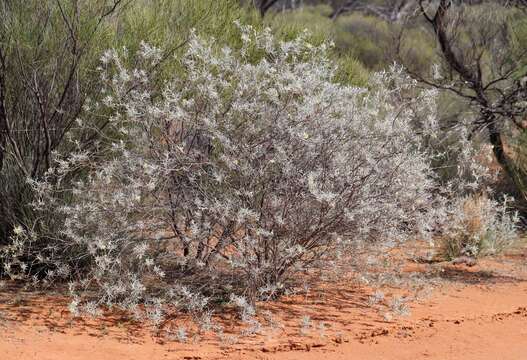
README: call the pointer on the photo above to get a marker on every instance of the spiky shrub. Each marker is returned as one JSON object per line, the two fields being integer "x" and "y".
{"x": 253, "y": 164}
{"x": 478, "y": 226}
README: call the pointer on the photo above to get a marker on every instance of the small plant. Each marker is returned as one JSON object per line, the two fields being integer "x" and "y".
{"x": 376, "y": 298}
{"x": 478, "y": 226}
{"x": 399, "y": 307}
{"x": 322, "y": 327}
{"x": 181, "y": 334}
{"x": 387, "y": 317}
{"x": 305, "y": 325}
{"x": 247, "y": 314}
{"x": 273, "y": 323}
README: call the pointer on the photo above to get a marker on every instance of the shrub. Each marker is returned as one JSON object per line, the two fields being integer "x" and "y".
{"x": 313, "y": 18}
{"x": 48, "y": 50}
{"x": 289, "y": 24}
{"x": 369, "y": 39}
{"x": 253, "y": 164}
{"x": 478, "y": 226}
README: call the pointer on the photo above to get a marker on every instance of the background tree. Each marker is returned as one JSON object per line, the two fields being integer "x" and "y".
{"x": 481, "y": 61}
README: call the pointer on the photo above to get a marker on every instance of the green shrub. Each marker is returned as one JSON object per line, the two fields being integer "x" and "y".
{"x": 315, "y": 19}
{"x": 49, "y": 51}
{"x": 367, "y": 38}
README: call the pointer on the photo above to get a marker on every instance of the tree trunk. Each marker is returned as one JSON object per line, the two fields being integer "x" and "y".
{"x": 497, "y": 146}
{"x": 501, "y": 157}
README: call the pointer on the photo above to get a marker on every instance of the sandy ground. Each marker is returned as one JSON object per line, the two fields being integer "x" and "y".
{"x": 473, "y": 313}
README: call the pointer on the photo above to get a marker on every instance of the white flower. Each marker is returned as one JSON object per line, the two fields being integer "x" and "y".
{"x": 18, "y": 230}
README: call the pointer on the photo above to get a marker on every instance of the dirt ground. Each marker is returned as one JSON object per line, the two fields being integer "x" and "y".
{"x": 477, "y": 312}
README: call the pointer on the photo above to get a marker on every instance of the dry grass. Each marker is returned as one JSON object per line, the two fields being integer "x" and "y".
{"x": 479, "y": 228}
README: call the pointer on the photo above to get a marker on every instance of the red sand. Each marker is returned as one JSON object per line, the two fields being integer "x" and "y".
{"x": 477, "y": 313}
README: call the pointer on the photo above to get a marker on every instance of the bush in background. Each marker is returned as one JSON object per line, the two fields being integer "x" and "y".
{"x": 478, "y": 226}
{"x": 48, "y": 51}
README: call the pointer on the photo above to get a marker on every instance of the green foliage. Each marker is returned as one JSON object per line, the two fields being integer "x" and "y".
{"x": 518, "y": 36}
{"x": 367, "y": 38}
{"x": 518, "y": 39}
{"x": 289, "y": 24}
{"x": 351, "y": 71}
{"x": 167, "y": 23}
{"x": 362, "y": 42}
{"x": 49, "y": 51}
{"x": 418, "y": 50}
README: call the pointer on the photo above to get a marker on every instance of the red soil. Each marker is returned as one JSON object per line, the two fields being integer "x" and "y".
{"x": 475, "y": 312}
